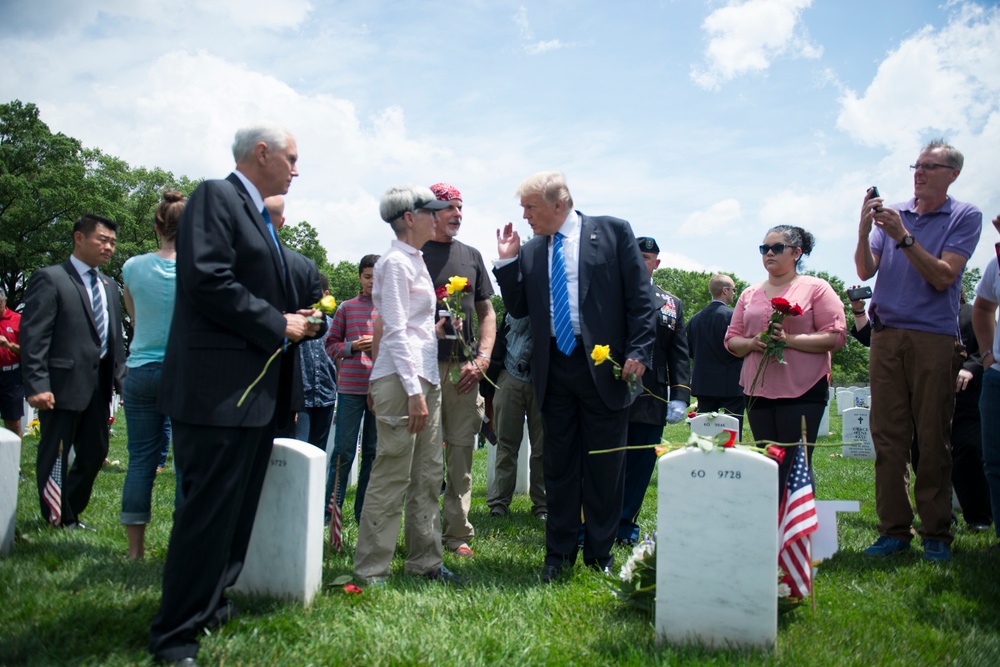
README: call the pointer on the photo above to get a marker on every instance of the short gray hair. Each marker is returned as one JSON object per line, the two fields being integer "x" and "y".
{"x": 272, "y": 134}
{"x": 399, "y": 199}
{"x": 954, "y": 156}
{"x": 551, "y": 185}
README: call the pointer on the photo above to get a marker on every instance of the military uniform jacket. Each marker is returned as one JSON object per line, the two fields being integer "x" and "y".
{"x": 671, "y": 374}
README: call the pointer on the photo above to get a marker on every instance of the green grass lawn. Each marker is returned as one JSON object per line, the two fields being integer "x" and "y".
{"x": 71, "y": 598}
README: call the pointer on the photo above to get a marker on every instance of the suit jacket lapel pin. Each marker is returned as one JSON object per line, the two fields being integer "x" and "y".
{"x": 593, "y": 237}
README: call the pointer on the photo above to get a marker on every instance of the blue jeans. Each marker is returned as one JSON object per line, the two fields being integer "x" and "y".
{"x": 989, "y": 411}
{"x": 313, "y": 426}
{"x": 145, "y": 441}
{"x": 352, "y": 410}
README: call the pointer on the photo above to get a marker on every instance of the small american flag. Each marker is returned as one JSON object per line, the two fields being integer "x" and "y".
{"x": 52, "y": 493}
{"x": 797, "y": 521}
{"x": 336, "y": 537}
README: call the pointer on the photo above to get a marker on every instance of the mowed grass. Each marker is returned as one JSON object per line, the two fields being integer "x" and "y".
{"x": 71, "y": 598}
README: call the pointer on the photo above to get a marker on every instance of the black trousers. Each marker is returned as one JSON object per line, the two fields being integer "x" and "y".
{"x": 781, "y": 421}
{"x": 576, "y": 421}
{"x": 87, "y": 433}
{"x": 222, "y": 473}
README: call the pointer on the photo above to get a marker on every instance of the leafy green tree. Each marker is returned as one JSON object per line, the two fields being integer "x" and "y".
{"x": 691, "y": 287}
{"x": 970, "y": 279}
{"x": 343, "y": 279}
{"x": 42, "y": 176}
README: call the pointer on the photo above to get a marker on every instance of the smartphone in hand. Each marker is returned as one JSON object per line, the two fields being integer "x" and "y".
{"x": 872, "y": 194}
{"x": 859, "y": 293}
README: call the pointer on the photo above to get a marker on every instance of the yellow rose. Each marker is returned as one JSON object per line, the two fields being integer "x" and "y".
{"x": 327, "y": 304}
{"x": 600, "y": 354}
{"x": 457, "y": 284}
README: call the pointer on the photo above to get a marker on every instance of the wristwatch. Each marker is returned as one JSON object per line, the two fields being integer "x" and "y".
{"x": 906, "y": 242}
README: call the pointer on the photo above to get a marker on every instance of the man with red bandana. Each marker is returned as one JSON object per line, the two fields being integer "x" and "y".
{"x": 461, "y": 405}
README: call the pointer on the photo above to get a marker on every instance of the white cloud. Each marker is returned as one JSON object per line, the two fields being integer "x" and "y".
{"x": 937, "y": 81}
{"x": 748, "y": 36}
{"x": 718, "y": 218}
{"x": 530, "y": 46}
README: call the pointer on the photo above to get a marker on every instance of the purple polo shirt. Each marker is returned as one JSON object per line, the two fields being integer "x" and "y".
{"x": 903, "y": 298}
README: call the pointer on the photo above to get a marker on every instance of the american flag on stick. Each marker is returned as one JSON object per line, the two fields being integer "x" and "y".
{"x": 52, "y": 493}
{"x": 797, "y": 521}
{"x": 336, "y": 539}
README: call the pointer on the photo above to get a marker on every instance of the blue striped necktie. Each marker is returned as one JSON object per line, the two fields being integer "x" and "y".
{"x": 565, "y": 339}
{"x": 274, "y": 237}
{"x": 97, "y": 303}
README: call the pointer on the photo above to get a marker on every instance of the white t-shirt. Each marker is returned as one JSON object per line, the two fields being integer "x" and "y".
{"x": 989, "y": 289}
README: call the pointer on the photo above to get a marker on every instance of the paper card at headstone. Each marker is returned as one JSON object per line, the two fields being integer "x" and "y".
{"x": 523, "y": 460}
{"x": 10, "y": 461}
{"x": 856, "y": 430}
{"x": 709, "y": 426}
{"x": 285, "y": 556}
{"x": 845, "y": 400}
{"x": 717, "y": 550}
{"x": 824, "y": 540}
{"x": 824, "y": 423}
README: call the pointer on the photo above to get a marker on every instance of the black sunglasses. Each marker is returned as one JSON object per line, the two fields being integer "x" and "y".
{"x": 778, "y": 248}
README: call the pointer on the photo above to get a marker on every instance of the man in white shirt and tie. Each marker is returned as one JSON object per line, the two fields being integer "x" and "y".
{"x": 72, "y": 354}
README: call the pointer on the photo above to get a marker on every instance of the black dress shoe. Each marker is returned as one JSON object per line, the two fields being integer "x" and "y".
{"x": 225, "y": 612}
{"x": 186, "y": 662}
{"x": 78, "y": 525}
{"x": 550, "y": 573}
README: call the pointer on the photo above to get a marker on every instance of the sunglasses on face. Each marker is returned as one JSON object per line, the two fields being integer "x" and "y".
{"x": 777, "y": 248}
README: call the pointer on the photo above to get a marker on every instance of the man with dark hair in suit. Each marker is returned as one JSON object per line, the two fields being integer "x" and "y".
{"x": 715, "y": 379}
{"x": 582, "y": 283}
{"x": 72, "y": 355}
{"x": 236, "y": 306}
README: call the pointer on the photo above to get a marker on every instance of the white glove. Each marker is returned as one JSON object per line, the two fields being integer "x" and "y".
{"x": 676, "y": 411}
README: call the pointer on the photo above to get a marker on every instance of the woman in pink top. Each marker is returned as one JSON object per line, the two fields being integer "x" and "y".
{"x": 784, "y": 393}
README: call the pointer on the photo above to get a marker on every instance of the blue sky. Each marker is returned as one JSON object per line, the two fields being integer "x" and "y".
{"x": 702, "y": 123}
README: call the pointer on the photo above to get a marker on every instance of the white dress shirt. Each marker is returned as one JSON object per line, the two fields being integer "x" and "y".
{"x": 570, "y": 230}
{"x": 404, "y": 297}
{"x": 84, "y": 270}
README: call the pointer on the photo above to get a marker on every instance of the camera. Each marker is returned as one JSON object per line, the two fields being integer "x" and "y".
{"x": 859, "y": 293}
{"x": 449, "y": 327}
{"x": 872, "y": 194}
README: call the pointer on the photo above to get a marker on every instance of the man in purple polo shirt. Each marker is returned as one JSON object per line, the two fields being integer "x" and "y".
{"x": 917, "y": 250}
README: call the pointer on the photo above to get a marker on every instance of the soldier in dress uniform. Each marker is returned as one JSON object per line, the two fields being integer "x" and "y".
{"x": 669, "y": 380}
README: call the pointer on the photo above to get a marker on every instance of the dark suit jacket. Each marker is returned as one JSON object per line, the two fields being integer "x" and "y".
{"x": 304, "y": 278}
{"x": 616, "y": 303}
{"x": 716, "y": 371}
{"x": 60, "y": 345}
{"x": 231, "y": 293}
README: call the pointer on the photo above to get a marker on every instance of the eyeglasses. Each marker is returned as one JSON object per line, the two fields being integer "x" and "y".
{"x": 777, "y": 248}
{"x": 930, "y": 166}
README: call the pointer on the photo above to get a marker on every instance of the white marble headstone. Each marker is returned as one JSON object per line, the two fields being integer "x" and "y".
{"x": 824, "y": 423}
{"x": 10, "y": 461}
{"x": 285, "y": 556}
{"x": 711, "y": 424}
{"x": 523, "y": 464}
{"x": 824, "y": 541}
{"x": 856, "y": 430}
{"x": 845, "y": 400}
{"x": 862, "y": 397}
{"x": 30, "y": 414}
{"x": 717, "y": 553}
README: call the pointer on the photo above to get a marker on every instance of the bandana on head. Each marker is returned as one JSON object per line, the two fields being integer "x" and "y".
{"x": 445, "y": 192}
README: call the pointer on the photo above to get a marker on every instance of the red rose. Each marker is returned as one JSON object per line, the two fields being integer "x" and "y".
{"x": 776, "y": 453}
{"x": 351, "y": 588}
{"x": 732, "y": 438}
{"x": 796, "y": 310}
{"x": 692, "y": 414}
{"x": 781, "y": 305}
{"x": 441, "y": 293}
